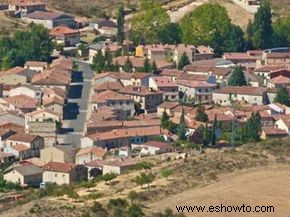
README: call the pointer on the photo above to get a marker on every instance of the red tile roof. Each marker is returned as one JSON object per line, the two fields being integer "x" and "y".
{"x": 20, "y": 147}
{"x": 62, "y": 31}
{"x": 274, "y": 131}
{"x": 239, "y": 56}
{"x": 280, "y": 80}
{"x": 109, "y": 86}
{"x": 245, "y": 90}
{"x": 23, "y": 137}
{"x": 126, "y": 133}
{"x": 58, "y": 167}
{"x": 109, "y": 95}
{"x": 164, "y": 82}
{"x": 100, "y": 152}
{"x": 168, "y": 105}
{"x": 22, "y": 101}
{"x": 195, "y": 84}
{"x": 139, "y": 91}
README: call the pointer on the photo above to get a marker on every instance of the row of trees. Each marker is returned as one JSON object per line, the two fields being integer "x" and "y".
{"x": 104, "y": 62}
{"x": 210, "y": 25}
{"x": 34, "y": 44}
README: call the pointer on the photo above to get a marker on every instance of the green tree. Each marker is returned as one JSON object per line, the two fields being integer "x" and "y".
{"x": 147, "y": 23}
{"x": 200, "y": 114}
{"x": 99, "y": 62}
{"x": 234, "y": 40}
{"x": 165, "y": 120}
{"x": 120, "y": 25}
{"x": 108, "y": 177}
{"x": 166, "y": 173}
{"x": 147, "y": 66}
{"x": 22, "y": 47}
{"x": 128, "y": 66}
{"x": 282, "y": 32}
{"x": 154, "y": 67}
{"x": 261, "y": 31}
{"x": 170, "y": 34}
{"x": 182, "y": 127}
{"x": 144, "y": 178}
{"x": 254, "y": 127}
{"x": 237, "y": 77}
{"x": 207, "y": 25}
{"x": 184, "y": 60}
{"x": 282, "y": 96}
{"x": 135, "y": 211}
{"x": 133, "y": 195}
{"x": 213, "y": 131}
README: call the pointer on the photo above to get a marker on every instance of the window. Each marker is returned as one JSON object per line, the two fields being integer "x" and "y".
{"x": 55, "y": 175}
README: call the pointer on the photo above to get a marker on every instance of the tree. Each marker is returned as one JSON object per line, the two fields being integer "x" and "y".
{"x": 99, "y": 62}
{"x": 182, "y": 127}
{"x": 120, "y": 25}
{"x": 133, "y": 195}
{"x": 15, "y": 51}
{"x": 154, "y": 67}
{"x": 282, "y": 32}
{"x": 206, "y": 25}
{"x": 170, "y": 34}
{"x": 166, "y": 173}
{"x": 135, "y": 211}
{"x": 147, "y": 66}
{"x": 108, "y": 177}
{"x": 213, "y": 131}
{"x": 237, "y": 77}
{"x": 254, "y": 127}
{"x": 282, "y": 96}
{"x": 144, "y": 178}
{"x": 128, "y": 66}
{"x": 165, "y": 120}
{"x": 234, "y": 40}
{"x": 184, "y": 60}
{"x": 201, "y": 115}
{"x": 261, "y": 31}
{"x": 147, "y": 23}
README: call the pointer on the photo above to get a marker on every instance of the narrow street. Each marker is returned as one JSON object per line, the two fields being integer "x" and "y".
{"x": 77, "y": 108}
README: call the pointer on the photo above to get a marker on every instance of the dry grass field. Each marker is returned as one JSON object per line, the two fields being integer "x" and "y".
{"x": 255, "y": 187}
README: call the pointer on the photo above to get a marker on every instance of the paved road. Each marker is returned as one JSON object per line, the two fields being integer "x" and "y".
{"x": 77, "y": 111}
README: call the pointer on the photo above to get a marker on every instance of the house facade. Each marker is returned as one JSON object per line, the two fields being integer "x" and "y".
{"x": 253, "y": 95}
{"x": 63, "y": 173}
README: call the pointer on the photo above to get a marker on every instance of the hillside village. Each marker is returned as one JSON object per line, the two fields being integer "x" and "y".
{"x": 75, "y": 112}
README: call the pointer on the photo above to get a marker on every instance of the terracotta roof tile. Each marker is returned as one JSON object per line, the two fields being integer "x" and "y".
{"x": 58, "y": 167}
{"x": 23, "y": 137}
{"x": 109, "y": 95}
{"x": 100, "y": 152}
{"x": 164, "y": 82}
{"x": 109, "y": 86}
{"x": 22, "y": 101}
{"x": 247, "y": 90}
{"x": 139, "y": 91}
{"x": 63, "y": 30}
{"x": 126, "y": 133}
{"x": 20, "y": 147}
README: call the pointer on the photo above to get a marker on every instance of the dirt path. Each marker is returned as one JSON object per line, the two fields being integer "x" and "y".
{"x": 175, "y": 16}
{"x": 263, "y": 187}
